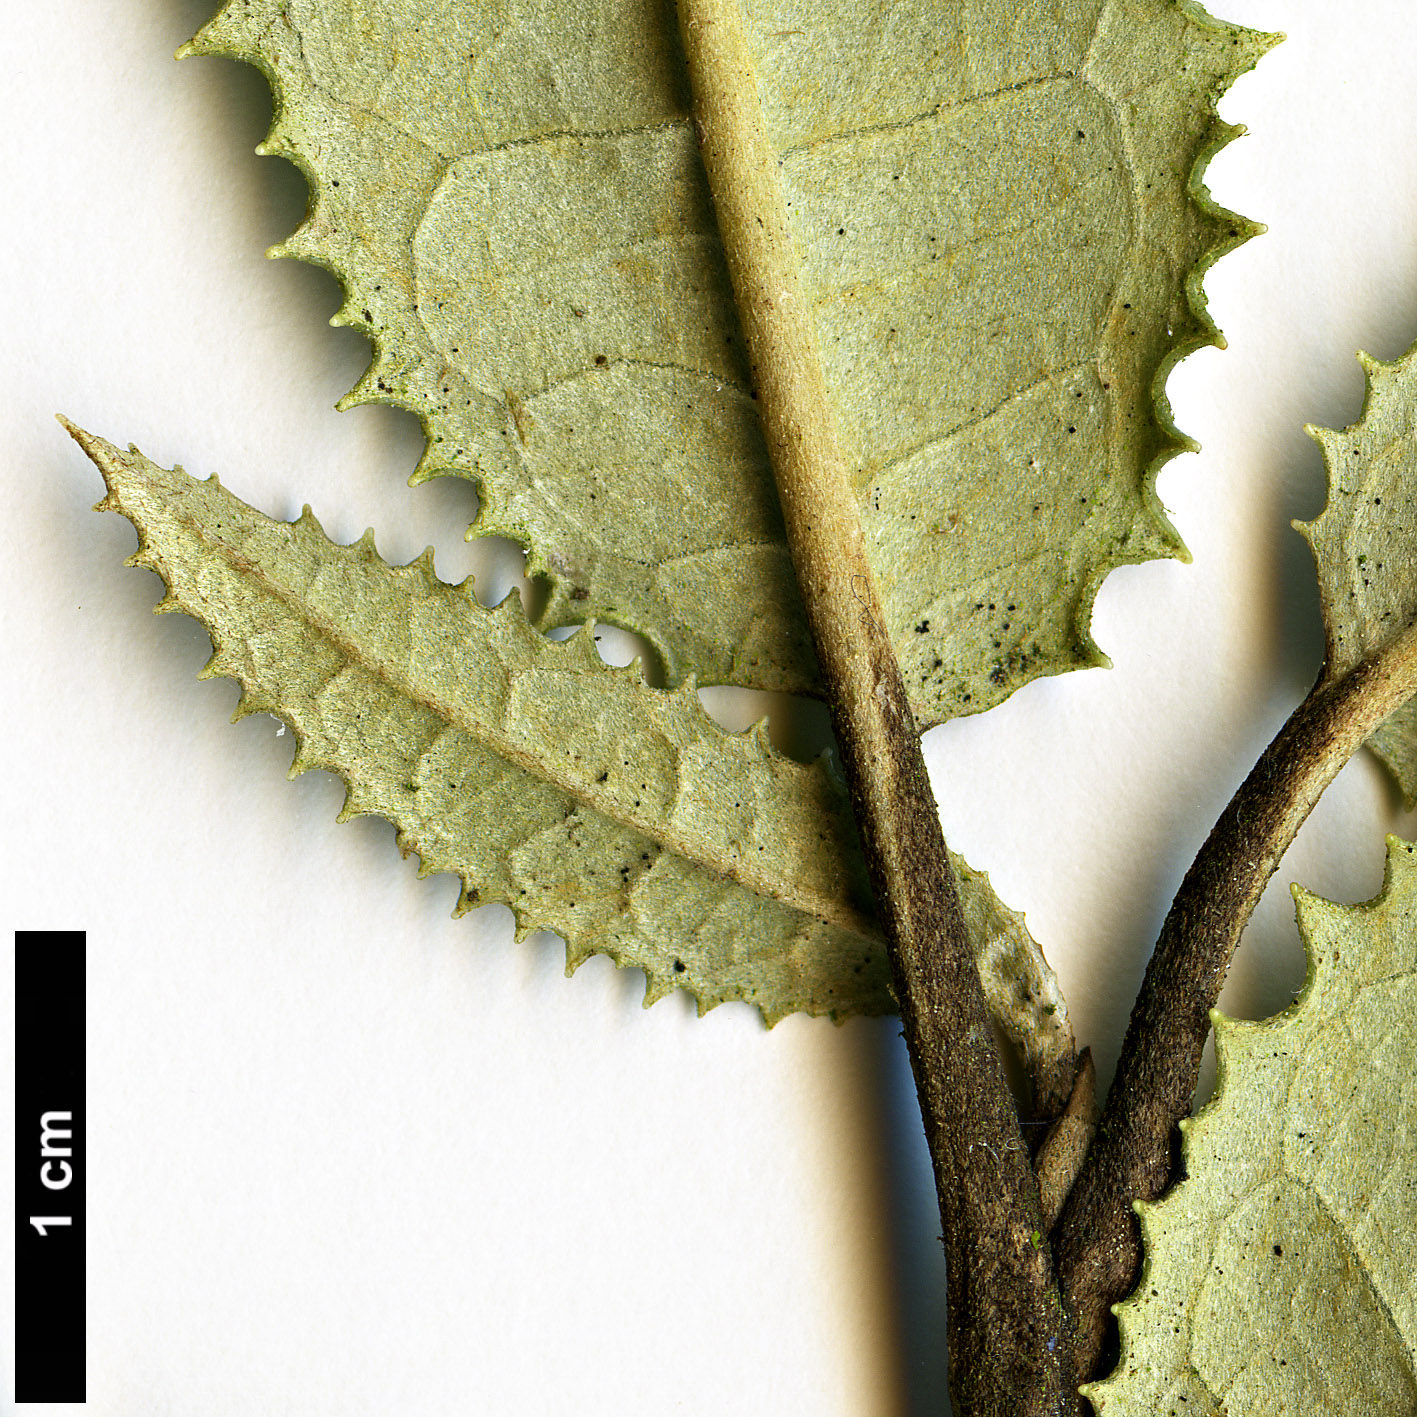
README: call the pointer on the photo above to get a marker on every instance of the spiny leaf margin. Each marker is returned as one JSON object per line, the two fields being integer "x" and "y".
{"x": 1364, "y": 543}
{"x": 1219, "y": 50}
{"x": 797, "y": 933}
{"x": 1277, "y": 1275}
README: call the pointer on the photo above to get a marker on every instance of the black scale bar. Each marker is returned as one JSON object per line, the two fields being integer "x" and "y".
{"x": 50, "y": 1166}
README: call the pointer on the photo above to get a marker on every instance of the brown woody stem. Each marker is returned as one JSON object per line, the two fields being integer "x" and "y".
{"x": 1097, "y": 1243}
{"x": 1008, "y": 1350}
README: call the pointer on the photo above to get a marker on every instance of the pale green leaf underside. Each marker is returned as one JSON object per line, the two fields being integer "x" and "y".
{"x": 1279, "y": 1273}
{"x": 1365, "y": 542}
{"x": 1002, "y": 231}
{"x": 620, "y": 816}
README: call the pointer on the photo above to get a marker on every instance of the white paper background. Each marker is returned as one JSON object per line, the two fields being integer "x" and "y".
{"x": 348, "y": 1155}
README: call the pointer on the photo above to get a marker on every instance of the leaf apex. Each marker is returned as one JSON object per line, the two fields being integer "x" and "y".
{"x": 100, "y": 450}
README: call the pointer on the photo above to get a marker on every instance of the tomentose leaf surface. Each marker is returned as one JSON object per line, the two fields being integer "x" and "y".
{"x": 1001, "y": 229}
{"x": 617, "y": 815}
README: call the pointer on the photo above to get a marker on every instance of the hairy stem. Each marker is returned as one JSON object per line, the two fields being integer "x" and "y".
{"x": 1008, "y": 1352}
{"x": 1098, "y": 1244}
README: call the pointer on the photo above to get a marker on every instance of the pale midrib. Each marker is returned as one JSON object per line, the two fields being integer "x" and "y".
{"x": 739, "y": 869}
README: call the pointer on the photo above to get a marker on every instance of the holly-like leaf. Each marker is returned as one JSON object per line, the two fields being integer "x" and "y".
{"x": 1365, "y": 543}
{"x": 617, "y": 815}
{"x": 1002, "y": 233}
{"x": 1278, "y": 1274}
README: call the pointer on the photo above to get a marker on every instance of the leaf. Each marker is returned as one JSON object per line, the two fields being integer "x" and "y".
{"x": 1278, "y": 1275}
{"x": 619, "y": 816}
{"x": 1002, "y": 229}
{"x": 1365, "y": 543}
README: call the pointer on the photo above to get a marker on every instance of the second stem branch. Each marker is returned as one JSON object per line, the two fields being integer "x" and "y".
{"x": 1098, "y": 1242}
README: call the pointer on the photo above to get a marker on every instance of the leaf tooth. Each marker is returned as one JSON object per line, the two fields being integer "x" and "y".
{"x": 580, "y": 647}
{"x": 576, "y": 955}
{"x": 301, "y": 245}
{"x": 1232, "y": 49}
{"x": 221, "y": 35}
{"x": 305, "y": 760}
{"x": 251, "y": 701}
{"x": 392, "y": 384}
{"x": 354, "y": 314}
{"x": 1377, "y": 374}
{"x": 278, "y": 142}
{"x": 366, "y": 390}
{"x": 507, "y": 611}
{"x": 1326, "y": 438}
{"x": 656, "y": 988}
{"x": 346, "y": 317}
{"x": 169, "y": 604}
{"x": 773, "y": 1014}
{"x": 469, "y": 898}
{"x": 422, "y": 568}
{"x": 757, "y": 734}
{"x": 307, "y": 521}
{"x": 433, "y": 463}
{"x": 219, "y": 666}
{"x": 349, "y": 808}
